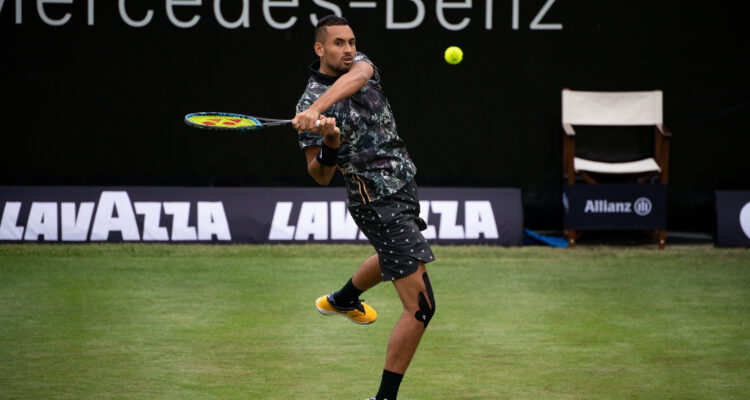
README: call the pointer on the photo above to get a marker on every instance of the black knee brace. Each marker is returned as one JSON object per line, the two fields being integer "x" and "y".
{"x": 425, "y": 312}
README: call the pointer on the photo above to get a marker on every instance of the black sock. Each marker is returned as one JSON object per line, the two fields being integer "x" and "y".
{"x": 347, "y": 295}
{"x": 389, "y": 385}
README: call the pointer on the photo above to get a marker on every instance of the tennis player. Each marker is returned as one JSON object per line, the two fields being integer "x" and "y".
{"x": 357, "y": 135}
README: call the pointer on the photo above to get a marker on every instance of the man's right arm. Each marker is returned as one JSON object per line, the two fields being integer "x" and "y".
{"x": 346, "y": 85}
{"x": 331, "y": 138}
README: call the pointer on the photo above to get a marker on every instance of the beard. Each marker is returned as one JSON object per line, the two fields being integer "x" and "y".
{"x": 340, "y": 68}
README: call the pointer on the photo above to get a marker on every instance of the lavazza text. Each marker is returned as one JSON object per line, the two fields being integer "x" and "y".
{"x": 114, "y": 213}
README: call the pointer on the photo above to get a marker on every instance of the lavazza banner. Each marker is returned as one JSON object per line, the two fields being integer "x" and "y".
{"x": 242, "y": 215}
{"x": 732, "y": 218}
{"x": 615, "y": 206}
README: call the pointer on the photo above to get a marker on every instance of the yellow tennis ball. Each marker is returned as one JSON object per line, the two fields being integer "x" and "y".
{"x": 453, "y": 55}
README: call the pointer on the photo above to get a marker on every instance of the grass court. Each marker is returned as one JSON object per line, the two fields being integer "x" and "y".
{"x": 135, "y": 321}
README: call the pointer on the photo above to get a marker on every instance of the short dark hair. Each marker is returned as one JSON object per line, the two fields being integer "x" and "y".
{"x": 328, "y": 20}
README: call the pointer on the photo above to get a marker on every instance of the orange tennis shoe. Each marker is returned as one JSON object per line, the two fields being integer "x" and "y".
{"x": 360, "y": 313}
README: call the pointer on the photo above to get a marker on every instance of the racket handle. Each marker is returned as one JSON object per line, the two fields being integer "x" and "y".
{"x": 317, "y": 123}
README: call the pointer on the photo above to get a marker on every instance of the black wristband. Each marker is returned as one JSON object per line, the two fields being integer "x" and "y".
{"x": 327, "y": 156}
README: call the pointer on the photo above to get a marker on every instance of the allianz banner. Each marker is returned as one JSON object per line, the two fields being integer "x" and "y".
{"x": 242, "y": 215}
{"x": 615, "y": 206}
{"x": 732, "y": 218}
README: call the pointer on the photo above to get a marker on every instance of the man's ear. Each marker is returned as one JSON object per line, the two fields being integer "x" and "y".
{"x": 319, "y": 49}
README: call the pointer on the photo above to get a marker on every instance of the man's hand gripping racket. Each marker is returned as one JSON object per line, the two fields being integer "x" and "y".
{"x": 311, "y": 120}
{"x": 325, "y": 126}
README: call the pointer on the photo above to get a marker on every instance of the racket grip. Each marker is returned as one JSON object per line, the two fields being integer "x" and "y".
{"x": 317, "y": 123}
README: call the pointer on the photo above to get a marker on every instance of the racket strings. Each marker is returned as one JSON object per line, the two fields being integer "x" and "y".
{"x": 223, "y": 121}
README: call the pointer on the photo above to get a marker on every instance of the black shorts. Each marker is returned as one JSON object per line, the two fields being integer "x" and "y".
{"x": 393, "y": 227}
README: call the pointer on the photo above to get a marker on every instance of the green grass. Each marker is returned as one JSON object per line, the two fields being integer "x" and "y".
{"x": 235, "y": 322}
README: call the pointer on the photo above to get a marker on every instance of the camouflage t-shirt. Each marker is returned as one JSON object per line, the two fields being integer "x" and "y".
{"x": 372, "y": 157}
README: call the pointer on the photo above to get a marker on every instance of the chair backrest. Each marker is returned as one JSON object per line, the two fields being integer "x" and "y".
{"x": 611, "y": 108}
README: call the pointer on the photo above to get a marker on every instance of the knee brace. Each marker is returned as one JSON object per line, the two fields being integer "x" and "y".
{"x": 426, "y": 311}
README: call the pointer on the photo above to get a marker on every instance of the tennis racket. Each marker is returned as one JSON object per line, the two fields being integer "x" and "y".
{"x": 233, "y": 122}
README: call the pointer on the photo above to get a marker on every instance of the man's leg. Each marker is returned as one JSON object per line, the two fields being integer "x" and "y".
{"x": 368, "y": 274}
{"x": 416, "y": 295}
{"x": 408, "y": 331}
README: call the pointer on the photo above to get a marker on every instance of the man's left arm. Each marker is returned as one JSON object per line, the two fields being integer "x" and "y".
{"x": 347, "y": 84}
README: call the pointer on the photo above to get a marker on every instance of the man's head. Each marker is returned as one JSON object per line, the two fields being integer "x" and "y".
{"x": 335, "y": 44}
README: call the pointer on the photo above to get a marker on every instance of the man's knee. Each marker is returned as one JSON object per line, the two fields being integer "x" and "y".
{"x": 426, "y": 309}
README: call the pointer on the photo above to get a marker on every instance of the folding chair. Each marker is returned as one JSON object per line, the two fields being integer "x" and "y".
{"x": 613, "y": 109}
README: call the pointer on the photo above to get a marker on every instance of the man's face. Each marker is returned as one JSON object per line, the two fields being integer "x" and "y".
{"x": 337, "y": 50}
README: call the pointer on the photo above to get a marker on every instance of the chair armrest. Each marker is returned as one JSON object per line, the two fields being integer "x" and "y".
{"x": 664, "y": 130}
{"x": 568, "y": 128}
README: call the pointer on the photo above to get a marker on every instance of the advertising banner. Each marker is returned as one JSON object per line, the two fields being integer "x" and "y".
{"x": 732, "y": 218}
{"x": 615, "y": 207}
{"x": 242, "y": 215}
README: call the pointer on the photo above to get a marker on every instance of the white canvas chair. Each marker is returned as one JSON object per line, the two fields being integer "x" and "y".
{"x": 587, "y": 108}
